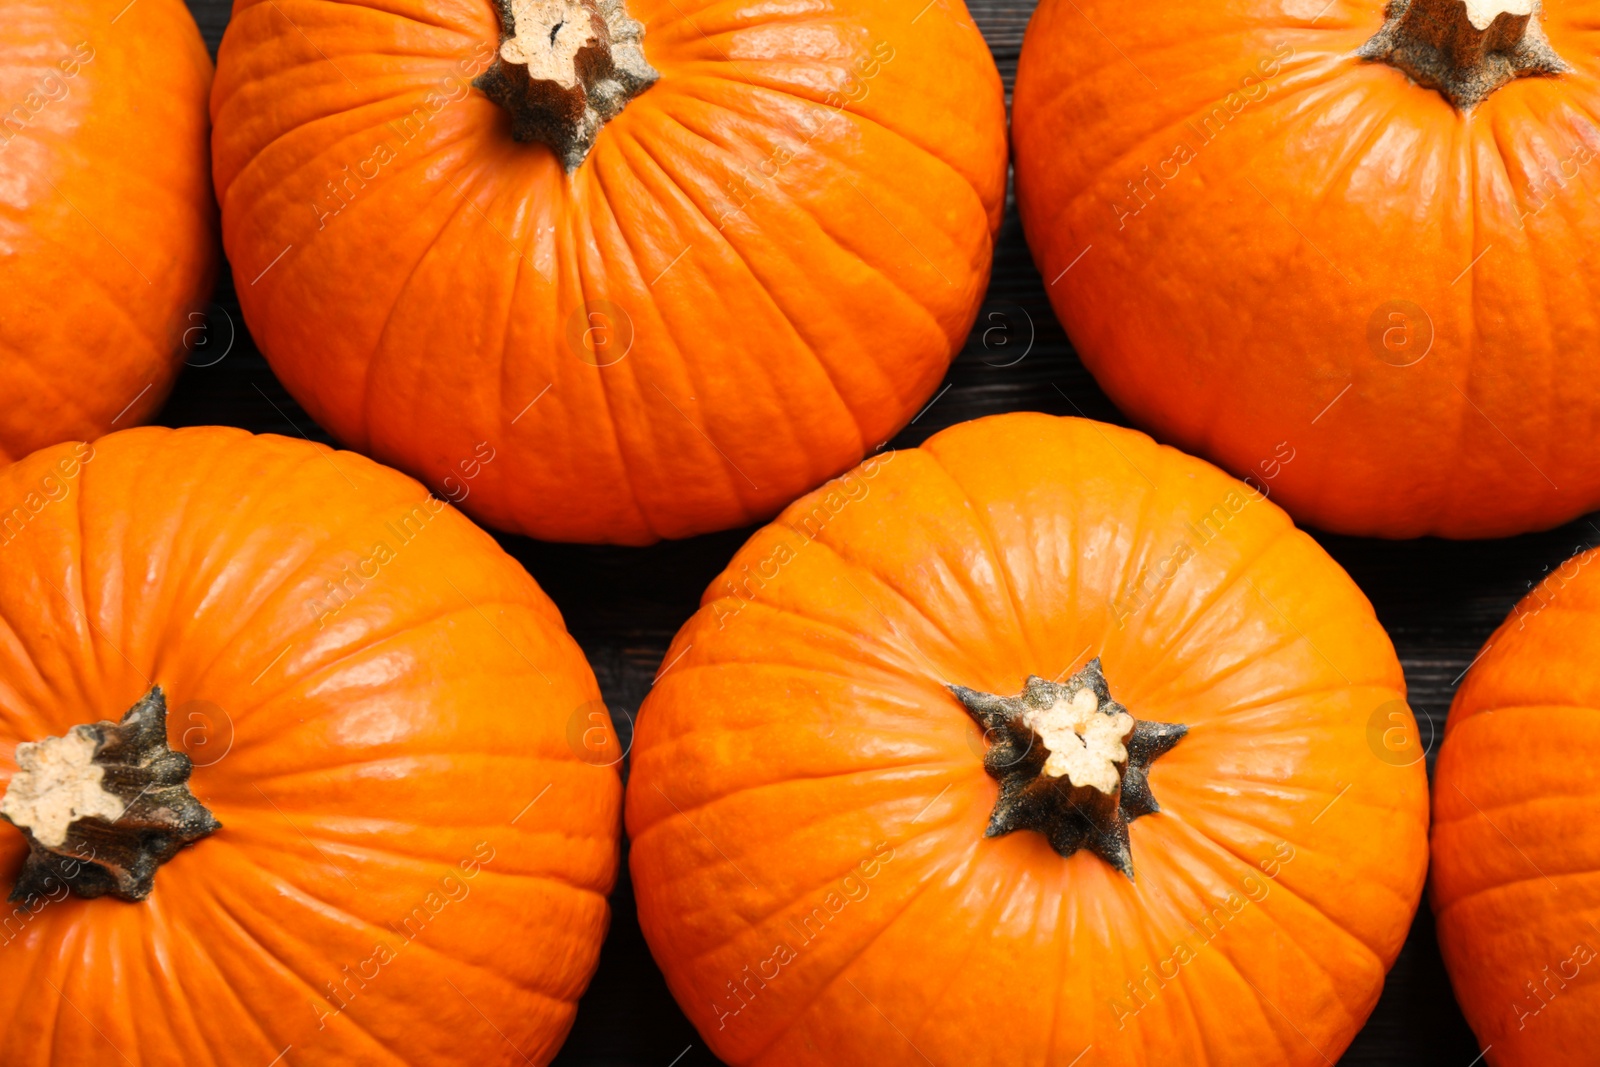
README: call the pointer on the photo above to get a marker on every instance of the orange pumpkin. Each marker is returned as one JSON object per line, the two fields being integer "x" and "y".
{"x": 1038, "y": 738}
{"x": 674, "y": 281}
{"x": 1370, "y": 231}
{"x": 1516, "y": 833}
{"x": 405, "y": 751}
{"x": 108, "y": 242}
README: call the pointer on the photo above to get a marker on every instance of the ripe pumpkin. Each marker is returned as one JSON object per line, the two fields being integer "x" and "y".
{"x": 881, "y": 795}
{"x": 1516, "y": 833}
{"x": 1370, "y": 230}
{"x": 404, "y": 749}
{"x": 108, "y": 243}
{"x": 674, "y": 281}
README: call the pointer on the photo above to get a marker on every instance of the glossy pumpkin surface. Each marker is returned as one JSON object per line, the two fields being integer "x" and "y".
{"x": 808, "y": 799}
{"x": 1280, "y": 240}
{"x": 1516, "y": 835}
{"x": 760, "y": 272}
{"x": 107, "y": 224}
{"x": 415, "y": 853}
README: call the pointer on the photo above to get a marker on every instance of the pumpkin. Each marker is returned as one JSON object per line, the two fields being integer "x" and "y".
{"x": 1370, "y": 230}
{"x": 677, "y": 262}
{"x": 386, "y": 757}
{"x": 108, "y": 242}
{"x": 1516, "y": 835}
{"x": 1040, "y": 737}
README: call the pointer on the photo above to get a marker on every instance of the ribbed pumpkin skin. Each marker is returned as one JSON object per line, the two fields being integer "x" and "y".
{"x": 764, "y": 320}
{"x": 108, "y": 245}
{"x": 358, "y": 767}
{"x": 802, "y": 735}
{"x": 1247, "y": 302}
{"x": 1516, "y": 835}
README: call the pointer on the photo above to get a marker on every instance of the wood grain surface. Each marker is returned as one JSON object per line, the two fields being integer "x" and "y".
{"x": 1439, "y": 600}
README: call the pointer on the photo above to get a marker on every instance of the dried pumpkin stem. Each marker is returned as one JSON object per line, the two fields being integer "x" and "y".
{"x": 1072, "y": 763}
{"x": 1466, "y": 49}
{"x": 564, "y": 69}
{"x": 104, "y": 806}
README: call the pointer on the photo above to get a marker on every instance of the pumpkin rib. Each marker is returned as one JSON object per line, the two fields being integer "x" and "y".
{"x": 372, "y": 373}
{"x": 324, "y": 906}
{"x": 997, "y": 562}
{"x": 829, "y": 983}
{"x": 321, "y": 672}
{"x": 803, "y": 208}
{"x": 669, "y": 333}
{"x": 239, "y": 518}
{"x": 866, "y": 570}
{"x": 579, "y": 274}
{"x": 743, "y": 792}
{"x": 772, "y": 300}
{"x": 174, "y": 978}
{"x": 1238, "y": 571}
{"x": 242, "y": 930}
{"x": 1515, "y": 884}
{"x": 1249, "y": 866}
{"x": 1285, "y": 96}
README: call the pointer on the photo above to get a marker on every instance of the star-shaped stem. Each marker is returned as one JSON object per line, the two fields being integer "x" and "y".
{"x": 1072, "y": 763}
{"x": 1466, "y": 49}
{"x": 103, "y": 806}
{"x": 564, "y": 69}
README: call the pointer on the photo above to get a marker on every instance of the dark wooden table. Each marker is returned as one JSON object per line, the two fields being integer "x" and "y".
{"x": 1439, "y": 600}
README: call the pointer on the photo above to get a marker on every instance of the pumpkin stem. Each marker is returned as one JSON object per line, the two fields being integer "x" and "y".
{"x": 565, "y": 68}
{"x": 1466, "y": 49}
{"x": 1072, "y": 763}
{"x": 104, "y": 806}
